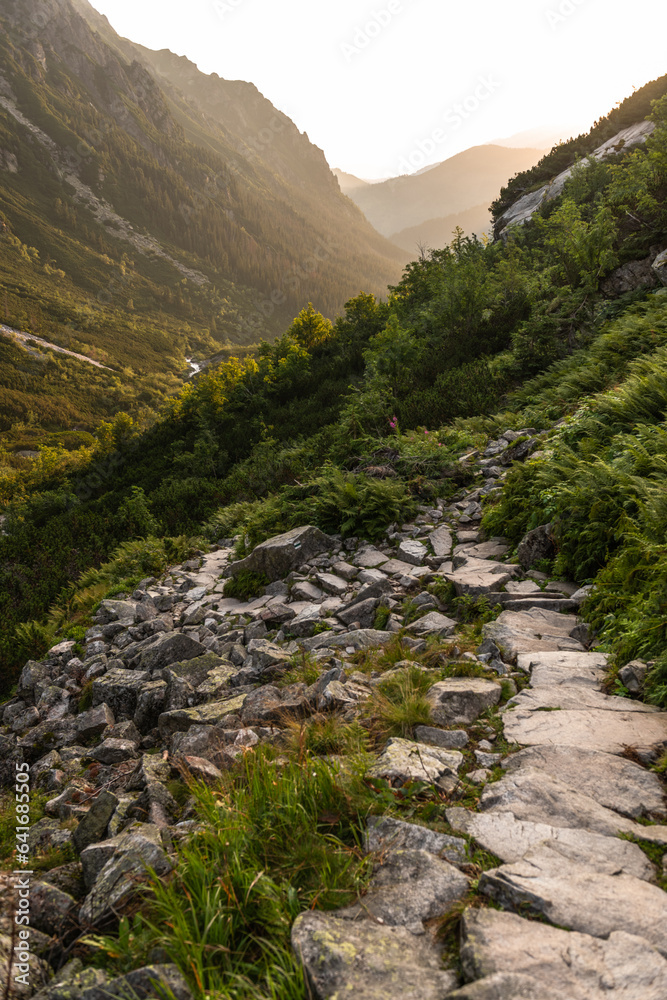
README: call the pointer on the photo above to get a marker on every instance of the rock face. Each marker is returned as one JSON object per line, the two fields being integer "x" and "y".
{"x": 536, "y": 545}
{"x": 280, "y": 555}
{"x": 659, "y": 267}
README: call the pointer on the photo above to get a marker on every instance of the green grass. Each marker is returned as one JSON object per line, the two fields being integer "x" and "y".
{"x": 276, "y": 839}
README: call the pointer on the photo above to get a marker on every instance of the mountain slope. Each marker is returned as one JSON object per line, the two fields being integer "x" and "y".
{"x": 438, "y": 232}
{"x": 457, "y": 184}
{"x": 223, "y": 206}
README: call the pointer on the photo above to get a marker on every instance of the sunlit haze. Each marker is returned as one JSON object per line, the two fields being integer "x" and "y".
{"x": 388, "y": 87}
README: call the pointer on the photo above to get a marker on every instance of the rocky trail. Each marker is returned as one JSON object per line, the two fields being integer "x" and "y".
{"x": 182, "y": 678}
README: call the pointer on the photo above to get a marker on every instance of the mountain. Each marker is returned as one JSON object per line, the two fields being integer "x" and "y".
{"x": 455, "y": 185}
{"x": 348, "y": 182}
{"x": 436, "y": 233}
{"x": 149, "y": 212}
{"x": 542, "y": 137}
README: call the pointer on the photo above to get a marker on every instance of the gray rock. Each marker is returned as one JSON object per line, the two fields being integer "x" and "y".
{"x": 536, "y": 545}
{"x": 448, "y": 739}
{"x": 143, "y": 839}
{"x": 478, "y": 577}
{"x": 279, "y": 556}
{"x": 370, "y": 558}
{"x": 332, "y": 584}
{"x": 511, "y": 839}
{"x": 659, "y": 267}
{"x": 346, "y": 959}
{"x": 142, "y": 984}
{"x": 461, "y": 700}
{"x": 52, "y": 911}
{"x": 305, "y": 591}
{"x": 202, "y": 769}
{"x": 404, "y": 760}
{"x": 537, "y": 797}
{"x": 611, "y": 781}
{"x": 174, "y": 647}
{"x": 119, "y": 881}
{"x": 539, "y": 630}
{"x": 120, "y": 690}
{"x": 271, "y": 704}
{"x": 303, "y": 625}
{"x": 441, "y": 541}
{"x": 409, "y": 887}
{"x": 633, "y": 675}
{"x": 93, "y": 722}
{"x": 150, "y": 705}
{"x": 385, "y": 833}
{"x": 365, "y": 638}
{"x": 182, "y": 719}
{"x": 570, "y": 896}
{"x": 413, "y": 552}
{"x": 267, "y": 656}
{"x": 576, "y": 966}
{"x": 93, "y": 825}
{"x": 114, "y": 751}
{"x": 509, "y": 986}
{"x": 591, "y": 729}
{"x": 361, "y": 611}
{"x": 432, "y": 624}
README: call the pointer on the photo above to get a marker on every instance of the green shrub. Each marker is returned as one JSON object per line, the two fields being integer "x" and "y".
{"x": 246, "y": 585}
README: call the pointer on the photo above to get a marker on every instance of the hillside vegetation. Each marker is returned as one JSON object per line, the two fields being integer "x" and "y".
{"x": 150, "y": 213}
{"x": 345, "y": 424}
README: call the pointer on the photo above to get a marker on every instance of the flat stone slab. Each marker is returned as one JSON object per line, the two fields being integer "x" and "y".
{"x": 404, "y": 760}
{"x": 508, "y": 986}
{"x": 574, "y": 697}
{"x": 363, "y": 638}
{"x": 448, "y": 739}
{"x": 458, "y": 701}
{"x": 433, "y": 624}
{"x": 590, "y": 729}
{"x": 570, "y": 896}
{"x": 385, "y": 833}
{"x": 576, "y": 966}
{"x": 409, "y": 887}
{"x": 441, "y": 542}
{"x": 332, "y": 584}
{"x": 537, "y": 797}
{"x": 537, "y": 630}
{"x": 360, "y": 960}
{"x": 510, "y": 839}
{"x": 492, "y": 549}
{"x": 569, "y": 668}
{"x": 523, "y": 587}
{"x": 396, "y": 567}
{"x": 480, "y": 576}
{"x": 370, "y": 558}
{"x": 611, "y": 781}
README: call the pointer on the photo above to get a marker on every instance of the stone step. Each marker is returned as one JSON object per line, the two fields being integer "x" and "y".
{"x": 570, "y": 896}
{"x": 524, "y": 602}
{"x": 517, "y": 959}
{"x": 589, "y": 729}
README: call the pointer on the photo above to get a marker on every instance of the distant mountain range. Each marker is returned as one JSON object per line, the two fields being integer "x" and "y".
{"x": 424, "y": 208}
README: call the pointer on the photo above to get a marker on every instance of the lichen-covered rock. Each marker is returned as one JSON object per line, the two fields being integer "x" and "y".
{"x": 386, "y": 833}
{"x": 174, "y": 647}
{"x": 52, "y": 911}
{"x": 93, "y": 825}
{"x": 404, "y": 760}
{"x": 459, "y": 701}
{"x": 142, "y": 984}
{"x": 93, "y": 722}
{"x": 278, "y": 556}
{"x": 360, "y": 960}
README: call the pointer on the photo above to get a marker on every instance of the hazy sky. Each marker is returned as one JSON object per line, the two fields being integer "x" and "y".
{"x": 387, "y": 87}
